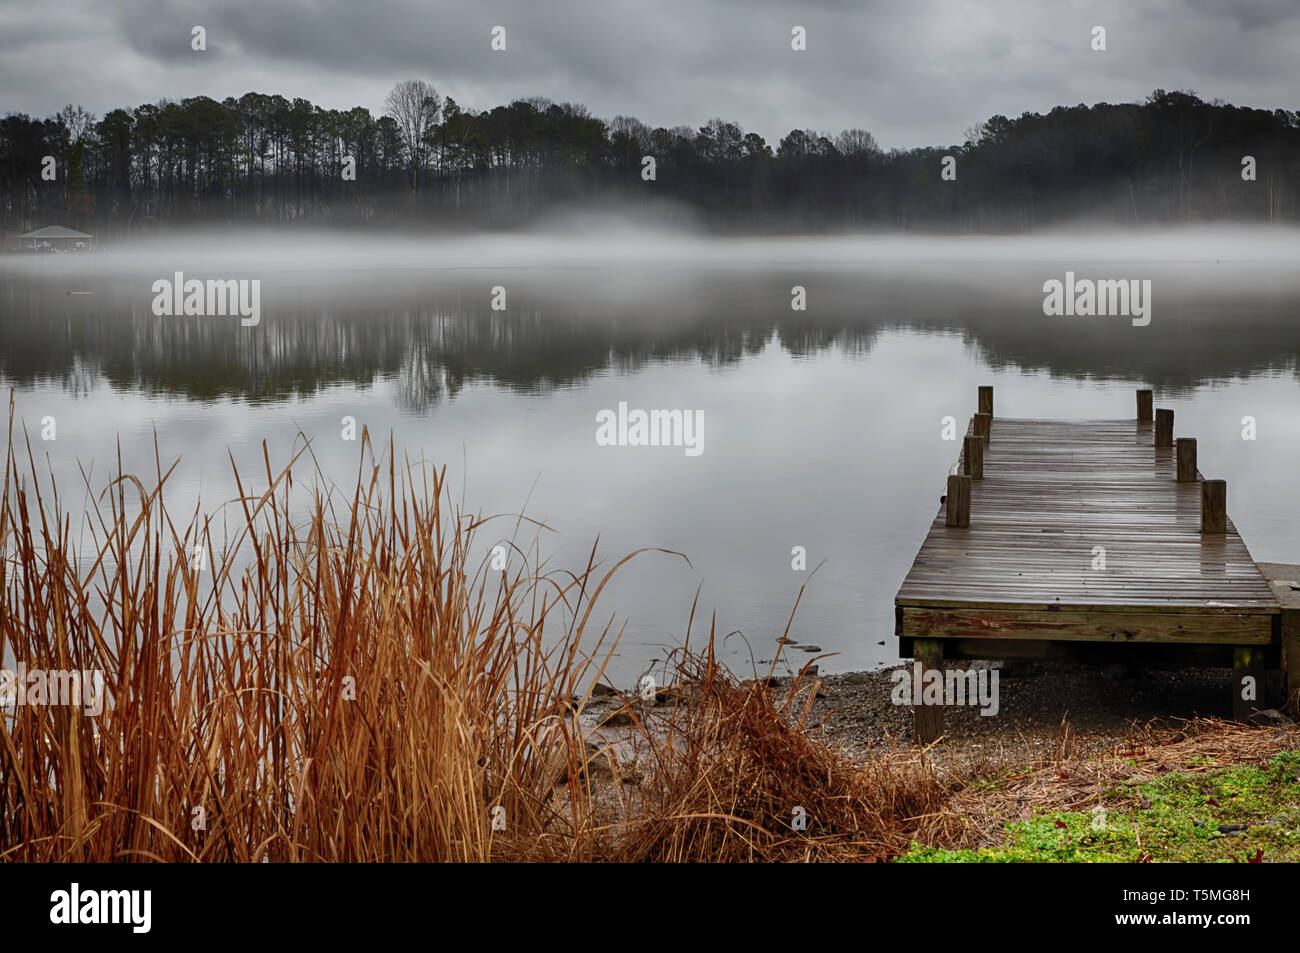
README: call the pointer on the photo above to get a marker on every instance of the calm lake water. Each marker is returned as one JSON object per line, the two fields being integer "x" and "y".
{"x": 821, "y": 428}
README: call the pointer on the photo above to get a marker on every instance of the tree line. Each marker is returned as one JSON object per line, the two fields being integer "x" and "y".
{"x": 264, "y": 158}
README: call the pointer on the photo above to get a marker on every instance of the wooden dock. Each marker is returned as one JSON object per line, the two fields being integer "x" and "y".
{"x": 1091, "y": 539}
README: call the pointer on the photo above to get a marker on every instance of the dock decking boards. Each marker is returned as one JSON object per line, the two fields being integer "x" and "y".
{"x": 1050, "y": 493}
{"x": 1023, "y": 569}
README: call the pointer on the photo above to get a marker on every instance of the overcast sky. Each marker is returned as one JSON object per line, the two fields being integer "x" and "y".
{"x": 913, "y": 72}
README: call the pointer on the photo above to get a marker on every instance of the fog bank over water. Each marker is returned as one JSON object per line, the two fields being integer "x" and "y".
{"x": 598, "y": 295}
{"x": 582, "y": 242}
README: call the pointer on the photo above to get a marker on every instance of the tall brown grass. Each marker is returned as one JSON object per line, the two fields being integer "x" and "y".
{"x": 352, "y": 683}
{"x": 736, "y": 776}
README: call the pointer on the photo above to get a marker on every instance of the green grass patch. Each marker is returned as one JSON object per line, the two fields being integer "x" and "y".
{"x": 1231, "y": 814}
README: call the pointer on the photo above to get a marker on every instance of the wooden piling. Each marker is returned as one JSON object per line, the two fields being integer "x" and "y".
{"x": 984, "y": 426}
{"x": 1284, "y": 578}
{"x": 986, "y": 399}
{"x": 1214, "y": 506}
{"x": 973, "y": 458}
{"x": 927, "y": 720}
{"x": 958, "y": 500}
{"x": 1291, "y": 657}
{"x": 1144, "y": 405}
{"x": 1164, "y": 428}
{"x": 1186, "y": 459}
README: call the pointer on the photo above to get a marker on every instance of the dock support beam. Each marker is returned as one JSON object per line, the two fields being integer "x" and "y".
{"x": 1249, "y": 681}
{"x": 973, "y": 458}
{"x": 1164, "y": 428}
{"x": 1144, "y": 406}
{"x": 986, "y": 399}
{"x": 958, "y": 500}
{"x": 1186, "y": 459}
{"x": 984, "y": 426}
{"x": 927, "y": 720}
{"x": 1214, "y": 506}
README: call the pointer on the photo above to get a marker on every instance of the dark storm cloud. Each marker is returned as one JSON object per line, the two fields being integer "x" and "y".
{"x": 911, "y": 72}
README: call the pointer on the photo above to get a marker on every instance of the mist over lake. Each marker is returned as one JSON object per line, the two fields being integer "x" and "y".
{"x": 821, "y": 427}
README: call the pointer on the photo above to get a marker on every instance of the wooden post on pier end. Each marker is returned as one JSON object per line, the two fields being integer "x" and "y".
{"x": 1284, "y": 578}
{"x": 983, "y": 426}
{"x": 1249, "y": 678}
{"x": 986, "y": 399}
{"x": 1164, "y": 428}
{"x": 958, "y": 500}
{"x": 1291, "y": 653}
{"x": 1291, "y": 650}
{"x": 1186, "y": 459}
{"x": 1214, "y": 507}
{"x": 973, "y": 458}
{"x": 1144, "y": 406}
{"x": 927, "y": 720}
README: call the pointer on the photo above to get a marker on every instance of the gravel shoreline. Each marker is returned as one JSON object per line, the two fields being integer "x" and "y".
{"x": 1045, "y": 710}
{"x": 1042, "y": 706}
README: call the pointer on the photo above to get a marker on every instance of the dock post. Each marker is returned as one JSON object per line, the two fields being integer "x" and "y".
{"x": 1214, "y": 506}
{"x": 958, "y": 500}
{"x": 986, "y": 399}
{"x": 984, "y": 426}
{"x": 1249, "y": 679}
{"x": 927, "y": 720}
{"x": 1164, "y": 428}
{"x": 1186, "y": 459}
{"x": 973, "y": 458}
{"x": 1144, "y": 406}
{"x": 1291, "y": 657}
{"x": 1284, "y": 579}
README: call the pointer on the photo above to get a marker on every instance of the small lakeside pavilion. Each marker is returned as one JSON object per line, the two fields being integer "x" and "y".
{"x": 56, "y": 238}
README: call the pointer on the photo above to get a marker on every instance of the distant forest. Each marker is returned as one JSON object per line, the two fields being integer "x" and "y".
{"x": 265, "y": 159}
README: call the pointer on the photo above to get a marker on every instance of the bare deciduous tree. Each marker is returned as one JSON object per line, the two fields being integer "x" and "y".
{"x": 76, "y": 120}
{"x": 414, "y": 105}
{"x": 854, "y": 142}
